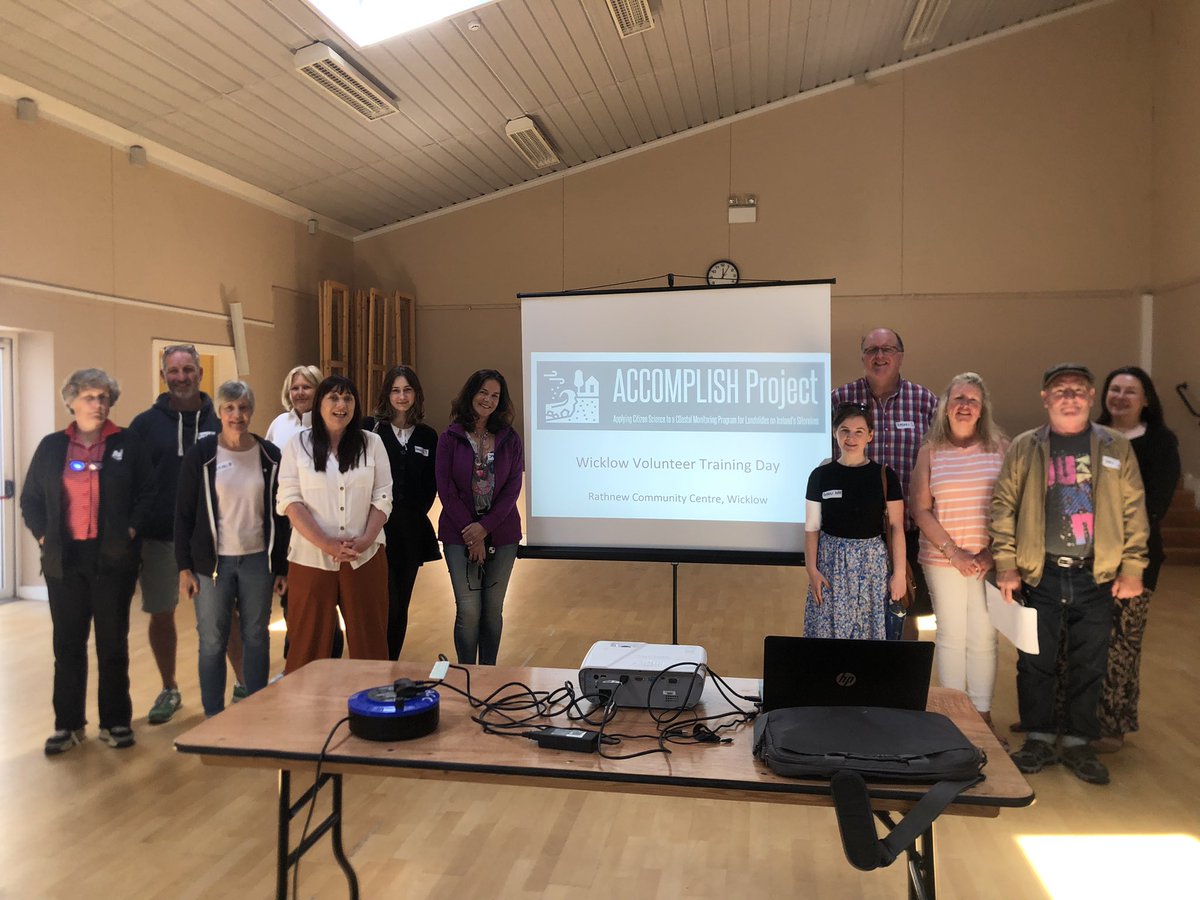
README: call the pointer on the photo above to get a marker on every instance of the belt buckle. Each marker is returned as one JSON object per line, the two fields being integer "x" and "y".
{"x": 1069, "y": 562}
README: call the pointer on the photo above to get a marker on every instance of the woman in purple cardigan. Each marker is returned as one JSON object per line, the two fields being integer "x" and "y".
{"x": 480, "y": 466}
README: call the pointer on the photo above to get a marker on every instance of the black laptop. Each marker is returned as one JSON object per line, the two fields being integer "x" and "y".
{"x": 800, "y": 671}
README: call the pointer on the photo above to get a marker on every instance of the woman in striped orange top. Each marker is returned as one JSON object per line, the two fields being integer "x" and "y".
{"x": 951, "y": 493}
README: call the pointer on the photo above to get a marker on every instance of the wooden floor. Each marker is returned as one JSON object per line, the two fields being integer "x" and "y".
{"x": 148, "y": 822}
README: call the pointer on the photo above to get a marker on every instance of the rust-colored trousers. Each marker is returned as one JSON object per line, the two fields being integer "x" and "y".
{"x": 313, "y": 598}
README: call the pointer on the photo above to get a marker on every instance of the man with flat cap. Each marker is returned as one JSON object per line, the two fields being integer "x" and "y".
{"x": 1069, "y": 532}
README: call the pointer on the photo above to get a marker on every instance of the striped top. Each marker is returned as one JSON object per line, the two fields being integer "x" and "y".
{"x": 961, "y": 481}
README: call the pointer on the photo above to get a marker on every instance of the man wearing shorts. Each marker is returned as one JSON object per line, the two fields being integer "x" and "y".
{"x": 178, "y": 419}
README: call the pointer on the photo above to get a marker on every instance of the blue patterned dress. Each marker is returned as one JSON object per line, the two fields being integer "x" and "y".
{"x": 856, "y": 600}
{"x": 851, "y": 551}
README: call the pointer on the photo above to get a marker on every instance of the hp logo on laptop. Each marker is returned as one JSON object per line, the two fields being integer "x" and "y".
{"x": 846, "y": 679}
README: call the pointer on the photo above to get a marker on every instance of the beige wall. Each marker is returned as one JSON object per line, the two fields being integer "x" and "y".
{"x": 1177, "y": 215}
{"x": 994, "y": 205}
{"x": 78, "y": 218}
{"x": 1003, "y": 207}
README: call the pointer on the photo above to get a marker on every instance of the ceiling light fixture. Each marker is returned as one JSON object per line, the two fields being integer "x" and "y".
{"x": 926, "y": 19}
{"x": 343, "y": 81}
{"x": 368, "y": 22}
{"x": 631, "y": 16}
{"x": 531, "y": 143}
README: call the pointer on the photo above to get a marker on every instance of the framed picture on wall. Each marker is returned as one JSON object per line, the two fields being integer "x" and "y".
{"x": 217, "y": 361}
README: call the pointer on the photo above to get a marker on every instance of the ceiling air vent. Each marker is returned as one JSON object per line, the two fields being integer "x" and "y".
{"x": 926, "y": 19}
{"x": 531, "y": 143}
{"x": 631, "y": 16}
{"x": 343, "y": 81}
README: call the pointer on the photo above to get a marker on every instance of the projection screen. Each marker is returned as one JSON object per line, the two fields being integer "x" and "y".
{"x": 675, "y": 424}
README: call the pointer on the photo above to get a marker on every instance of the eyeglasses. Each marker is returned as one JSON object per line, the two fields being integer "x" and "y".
{"x": 886, "y": 350}
{"x": 857, "y": 407}
{"x": 84, "y": 465}
{"x": 1066, "y": 393}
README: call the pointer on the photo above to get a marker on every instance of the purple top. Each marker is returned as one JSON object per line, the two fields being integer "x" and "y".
{"x": 455, "y": 469}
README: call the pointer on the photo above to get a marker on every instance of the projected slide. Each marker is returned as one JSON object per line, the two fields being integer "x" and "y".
{"x": 683, "y": 420}
{"x": 715, "y": 436}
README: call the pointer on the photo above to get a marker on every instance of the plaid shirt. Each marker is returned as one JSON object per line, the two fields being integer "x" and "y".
{"x": 901, "y": 422}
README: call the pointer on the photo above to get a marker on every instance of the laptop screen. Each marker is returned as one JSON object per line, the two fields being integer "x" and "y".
{"x": 800, "y": 671}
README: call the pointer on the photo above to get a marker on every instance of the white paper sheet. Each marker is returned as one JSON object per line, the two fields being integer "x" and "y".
{"x": 1016, "y": 622}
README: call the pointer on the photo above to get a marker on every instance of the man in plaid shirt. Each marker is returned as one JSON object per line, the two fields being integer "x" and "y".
{"x": 903, "y": 412}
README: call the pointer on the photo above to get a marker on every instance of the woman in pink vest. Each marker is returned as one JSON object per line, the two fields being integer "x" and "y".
{"x": 951, "y": 495}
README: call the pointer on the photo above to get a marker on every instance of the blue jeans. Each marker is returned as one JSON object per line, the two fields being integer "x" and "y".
{"x": 1066, "y": 599}
{"x": 479, "y": 601}
{"x": 247, "y": 582}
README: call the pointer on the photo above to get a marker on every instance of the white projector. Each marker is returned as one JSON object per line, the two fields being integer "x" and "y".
{"x": 636, "y": 674}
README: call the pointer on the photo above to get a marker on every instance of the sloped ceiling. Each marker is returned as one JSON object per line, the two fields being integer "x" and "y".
{"x": 215, "y": 81}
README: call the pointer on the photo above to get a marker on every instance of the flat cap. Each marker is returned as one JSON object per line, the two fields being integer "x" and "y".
{"x": 1060, "y": 369}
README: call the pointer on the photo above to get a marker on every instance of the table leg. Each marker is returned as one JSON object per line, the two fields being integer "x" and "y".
{"x": 286, "y": 858}
{"x": 921, "y": 881}
{"x": 284, "y": 840}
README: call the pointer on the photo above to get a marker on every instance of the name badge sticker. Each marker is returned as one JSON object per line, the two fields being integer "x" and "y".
{"x": 906, "y": 426}
{"x": 1110, "y": 462}
{"x": 222, "y": 466}
{"x": 423, "y": 451}
{"x": 831, "y": 495}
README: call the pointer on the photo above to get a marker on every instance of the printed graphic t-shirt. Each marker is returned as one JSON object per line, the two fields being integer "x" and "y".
{"x": 1069, "y": 507}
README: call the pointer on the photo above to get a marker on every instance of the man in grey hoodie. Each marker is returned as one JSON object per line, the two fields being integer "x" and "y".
{"x": 178, "y": 419}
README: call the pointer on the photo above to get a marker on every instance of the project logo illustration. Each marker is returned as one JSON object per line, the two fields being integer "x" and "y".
{"x": 684, "y": 392}
{"x": 577, "y": 404}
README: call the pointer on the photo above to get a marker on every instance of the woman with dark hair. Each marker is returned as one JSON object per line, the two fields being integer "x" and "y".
{"x": 1132, "y": 408}
{"x": 335, "y": 485}
{"x": 851, "y": 580}
{"x": 86, "y": 498}
{"x": 480, "y": 467}
{"x": 412, "y": 449}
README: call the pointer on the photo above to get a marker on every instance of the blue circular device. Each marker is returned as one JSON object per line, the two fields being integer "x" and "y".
{"x": 394, "y": 712}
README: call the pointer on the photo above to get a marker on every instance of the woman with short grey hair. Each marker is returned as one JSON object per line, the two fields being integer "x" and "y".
{"x": 230, "y": 545}
{"x": 82, "y": 379}
{"x": 89, "y": 528}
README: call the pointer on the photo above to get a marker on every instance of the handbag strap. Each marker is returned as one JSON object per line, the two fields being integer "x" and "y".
{"x": 852, "y": 804}
{"x": 887, "y": 520}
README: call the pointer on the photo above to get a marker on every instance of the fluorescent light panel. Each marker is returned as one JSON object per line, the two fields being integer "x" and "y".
{"x": 368, "y": 22}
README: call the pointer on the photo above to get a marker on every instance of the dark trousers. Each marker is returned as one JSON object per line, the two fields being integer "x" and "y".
{"x": 402, "y": 575}
{"x": 1066, "y": 600}
{"x": 81, "y": 596}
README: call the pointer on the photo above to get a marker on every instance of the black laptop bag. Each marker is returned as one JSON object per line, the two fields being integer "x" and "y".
{"x": 850, "y": 745}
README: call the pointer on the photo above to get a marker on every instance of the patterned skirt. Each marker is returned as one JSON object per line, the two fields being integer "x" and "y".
{"x": 856, "y": 600}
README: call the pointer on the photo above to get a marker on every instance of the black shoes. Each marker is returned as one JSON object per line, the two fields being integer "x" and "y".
{"x": 1081, "y": 759}
{"x": 1035, "y": 756}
